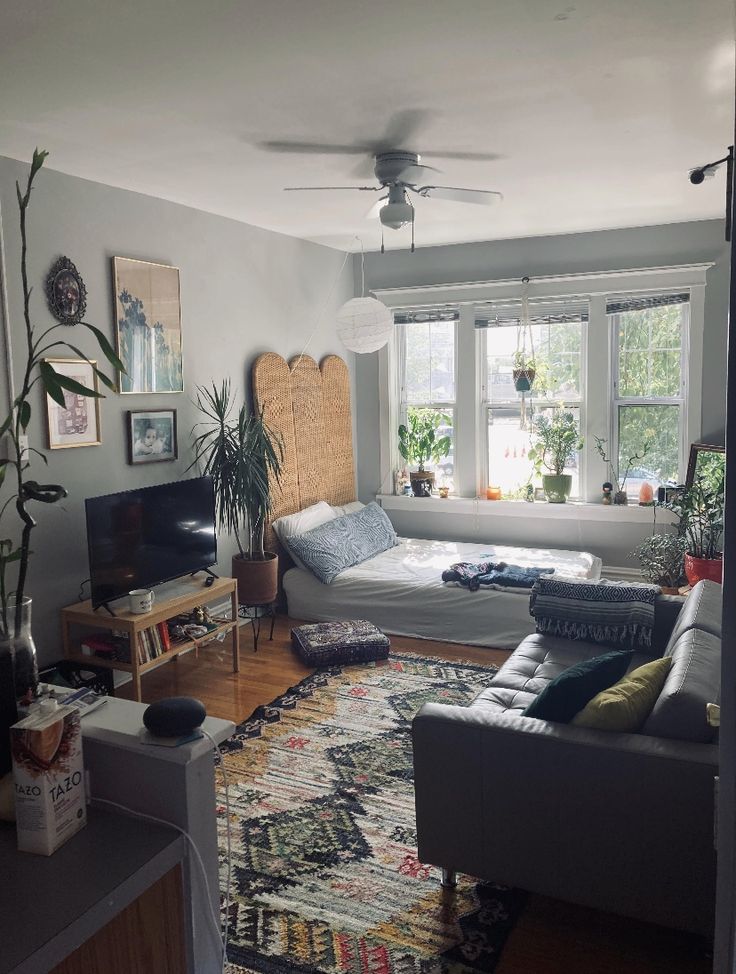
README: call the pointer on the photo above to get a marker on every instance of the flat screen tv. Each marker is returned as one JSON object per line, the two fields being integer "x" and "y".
{"x": 140, "y": 538}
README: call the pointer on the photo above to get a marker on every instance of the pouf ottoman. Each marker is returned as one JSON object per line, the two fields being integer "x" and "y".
{"x": 331, "y": 643}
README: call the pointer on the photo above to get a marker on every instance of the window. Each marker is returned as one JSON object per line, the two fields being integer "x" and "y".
{"x": 427, "y": 375}
{"x": 557, "y": 340}
{"x": 649, "y": 386}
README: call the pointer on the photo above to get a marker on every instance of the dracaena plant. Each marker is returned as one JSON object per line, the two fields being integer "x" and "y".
{"x": 14, "y": 552}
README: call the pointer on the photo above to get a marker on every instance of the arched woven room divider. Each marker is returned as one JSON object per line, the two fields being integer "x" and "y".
{"x": 308, "y": 406}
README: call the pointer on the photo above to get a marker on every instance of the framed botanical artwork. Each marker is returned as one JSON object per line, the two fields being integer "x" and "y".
{"x": 152, "y": 436}
{"x": 78, "y": 423}
{"x": 148, "y": 325}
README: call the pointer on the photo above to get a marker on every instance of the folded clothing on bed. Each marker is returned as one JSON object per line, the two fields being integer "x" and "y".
{"x": 498, "y": 573}
{"x": 606, "y": 612}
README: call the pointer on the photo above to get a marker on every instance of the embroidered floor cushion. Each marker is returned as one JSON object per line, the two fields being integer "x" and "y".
{"x": 333, "y": 643}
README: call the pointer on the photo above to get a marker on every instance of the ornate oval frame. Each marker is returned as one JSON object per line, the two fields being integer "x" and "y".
{"x": 66, "y": 292}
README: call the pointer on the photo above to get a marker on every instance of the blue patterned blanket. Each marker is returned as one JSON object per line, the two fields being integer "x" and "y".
{"x": 607, "y": 612}
{"x": 492, "y": 573}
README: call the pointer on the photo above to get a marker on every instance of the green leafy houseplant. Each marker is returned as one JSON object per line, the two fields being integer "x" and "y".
{"x": 245, "y": 459}
{"x": 420, "y": 441}
{"x": 700, "y": 513}
{"x": 555, "y": 441}
{"x": 661, "y": 558}
{"x": 15, "y": 553}
{"x": 620, "y": 496}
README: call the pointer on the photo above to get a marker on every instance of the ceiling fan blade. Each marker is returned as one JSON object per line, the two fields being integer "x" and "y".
{"x": 477, "y": 156}
{"x": 315, "y": 148}
{"x": 372, "y": 214}
{"x": 485, "y": 197}
{"x": 415, "y": 174}
{"x": 302, "y": 189}
{"x": 402, "y": 127}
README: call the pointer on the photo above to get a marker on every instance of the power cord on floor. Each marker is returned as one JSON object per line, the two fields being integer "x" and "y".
{"x": 222, "y": 933}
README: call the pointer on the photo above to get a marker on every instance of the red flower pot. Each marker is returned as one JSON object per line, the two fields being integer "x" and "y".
{"x": 699, "y": 568}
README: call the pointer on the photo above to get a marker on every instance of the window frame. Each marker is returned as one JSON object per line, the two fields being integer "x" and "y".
{"x": 682, "y": 400}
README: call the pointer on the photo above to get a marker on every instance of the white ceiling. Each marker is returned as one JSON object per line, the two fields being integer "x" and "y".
{"x": 597, "y": 108}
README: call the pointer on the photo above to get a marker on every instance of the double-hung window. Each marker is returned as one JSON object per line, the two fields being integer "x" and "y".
{"x": 558, "y": 349}
{"x": 649, "y": 353}
{"x": 428, "y": 375}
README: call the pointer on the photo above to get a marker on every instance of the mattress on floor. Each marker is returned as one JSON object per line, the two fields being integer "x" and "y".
{"x": 401, "y": 591}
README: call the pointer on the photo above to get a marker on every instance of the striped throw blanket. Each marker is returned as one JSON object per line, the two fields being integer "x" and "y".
{"x": 612, "y": 613}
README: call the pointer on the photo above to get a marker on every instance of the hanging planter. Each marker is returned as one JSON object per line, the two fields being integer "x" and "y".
{"x": 523, "y": 378}
{"x": 524, "y": 367}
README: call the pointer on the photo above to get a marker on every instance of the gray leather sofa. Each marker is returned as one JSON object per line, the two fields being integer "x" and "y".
{"x": 619, "y": 822}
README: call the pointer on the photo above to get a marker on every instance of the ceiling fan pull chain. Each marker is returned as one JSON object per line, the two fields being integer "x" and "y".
{"x": 383, "y": 249}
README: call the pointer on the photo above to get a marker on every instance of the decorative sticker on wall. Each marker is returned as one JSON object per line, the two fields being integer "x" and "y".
{"x": 148, "y": 325}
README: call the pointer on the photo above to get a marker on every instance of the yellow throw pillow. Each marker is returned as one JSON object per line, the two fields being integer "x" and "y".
{"x": 626, "y": 705}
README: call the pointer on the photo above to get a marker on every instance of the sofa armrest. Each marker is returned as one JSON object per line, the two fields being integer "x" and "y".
{"x": 666, "y": 610}
{"x": 552, "y": 807}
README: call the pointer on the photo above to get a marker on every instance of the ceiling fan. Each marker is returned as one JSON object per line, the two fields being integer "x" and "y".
{"x": 399, "y": 172}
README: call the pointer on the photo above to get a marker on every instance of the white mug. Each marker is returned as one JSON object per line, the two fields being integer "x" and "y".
{"x": 141, "y": 600}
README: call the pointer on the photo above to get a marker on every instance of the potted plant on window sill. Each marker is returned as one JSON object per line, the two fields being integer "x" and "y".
{"x": 555, "y": 441}
{"x": 420, "y": 442}
{"x": 620, "y": 497}
{"x": 244, "y": 458}
{"x": 700, "y": 510}
{"x": 523, "y": 371}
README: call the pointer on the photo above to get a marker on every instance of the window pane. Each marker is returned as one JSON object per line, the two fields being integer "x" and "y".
{"x": 429, "y": 362}
{"x": 444, "y": 469}
{"x": 557, "y": 350}
{"x": 508, "y": 446}
{"x": 649, "y": 348}
{"x": 659, "y": 427}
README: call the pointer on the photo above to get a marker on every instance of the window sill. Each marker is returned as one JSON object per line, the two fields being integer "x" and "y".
{"x": 480, "y": 507}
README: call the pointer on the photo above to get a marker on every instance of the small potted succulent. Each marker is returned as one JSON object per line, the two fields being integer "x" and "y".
{"x": 700, "y": 510}
{"x": 420, "y": 442}
{"x": 523, "y": 371}
{"x": 555, "y": 441}
{"x": 661, "y": 558}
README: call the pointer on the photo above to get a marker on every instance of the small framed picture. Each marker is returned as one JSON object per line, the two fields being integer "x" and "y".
{"x": 152, "y": 435}
{"x": 78, "y": 424}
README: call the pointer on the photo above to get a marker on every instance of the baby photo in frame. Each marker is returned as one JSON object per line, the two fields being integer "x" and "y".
{"x": 151, "y": 435}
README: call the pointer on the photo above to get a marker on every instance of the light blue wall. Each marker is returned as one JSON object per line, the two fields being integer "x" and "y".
{"x": 243, "y": 290}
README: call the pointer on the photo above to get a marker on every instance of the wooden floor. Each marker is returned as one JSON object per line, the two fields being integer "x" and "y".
{"x": 551, "y": 937}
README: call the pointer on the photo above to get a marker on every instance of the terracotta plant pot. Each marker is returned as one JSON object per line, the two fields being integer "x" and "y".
{"x": 258, "y": 581}
{"x": 699, "y": 568}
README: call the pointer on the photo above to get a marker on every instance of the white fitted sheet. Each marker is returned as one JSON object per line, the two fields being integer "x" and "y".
{"x": 402, "y": 592}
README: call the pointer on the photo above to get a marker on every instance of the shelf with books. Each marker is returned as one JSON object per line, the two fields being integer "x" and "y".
{"x": 149, "y": 634}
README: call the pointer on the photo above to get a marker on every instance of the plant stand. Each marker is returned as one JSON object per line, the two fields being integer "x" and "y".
{"x": 255, "y": 614}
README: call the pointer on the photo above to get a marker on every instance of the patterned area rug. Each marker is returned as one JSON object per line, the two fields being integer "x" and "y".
{"x": 325, "y": 875}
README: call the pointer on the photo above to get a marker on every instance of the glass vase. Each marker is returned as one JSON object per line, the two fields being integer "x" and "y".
{"x": 22, "y": 648}
{"x": 8, "y": 709}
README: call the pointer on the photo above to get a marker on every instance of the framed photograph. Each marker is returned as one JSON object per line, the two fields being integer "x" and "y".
{"x": 152, "y": 436}
{"x": 78, "y": 424}
{"x": 148, "y": 325}
{"x": 66, "y": 293}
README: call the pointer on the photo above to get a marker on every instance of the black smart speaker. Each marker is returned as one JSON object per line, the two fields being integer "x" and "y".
{"x": 174, "y": 716}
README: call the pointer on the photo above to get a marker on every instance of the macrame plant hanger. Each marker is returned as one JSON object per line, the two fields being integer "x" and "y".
{"x": 524, "y": 369}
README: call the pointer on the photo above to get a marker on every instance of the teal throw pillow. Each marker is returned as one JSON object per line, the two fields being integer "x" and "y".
{"x": 569, "y": 692}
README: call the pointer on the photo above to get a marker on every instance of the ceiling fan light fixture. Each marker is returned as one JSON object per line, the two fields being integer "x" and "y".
{"x": 396, "y": 215}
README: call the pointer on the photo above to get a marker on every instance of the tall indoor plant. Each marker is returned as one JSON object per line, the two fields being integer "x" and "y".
{"x": 18, "y": 668}
{"x": 244, "y": 458}
{"x": 555, "y": 441}
{"x": 420, "y": 441}
{"x": 700, "y": 512}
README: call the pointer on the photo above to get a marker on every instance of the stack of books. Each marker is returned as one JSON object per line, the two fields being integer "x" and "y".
{"x": 114, "y": 645}
{"x": 153, "y": 642}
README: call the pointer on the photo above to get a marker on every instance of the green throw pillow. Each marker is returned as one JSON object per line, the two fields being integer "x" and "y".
{"x": 569, "y": 692}
{"x": 626, "y": 705}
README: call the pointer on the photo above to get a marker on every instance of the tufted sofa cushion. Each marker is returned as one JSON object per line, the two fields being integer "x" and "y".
{"x": 702, "y": 610}
{"x": 501, "y": 700}
{"x": 540, "y": 658}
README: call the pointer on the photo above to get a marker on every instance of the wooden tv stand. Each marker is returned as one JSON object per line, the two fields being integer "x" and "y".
{"x": 172, "y": 599}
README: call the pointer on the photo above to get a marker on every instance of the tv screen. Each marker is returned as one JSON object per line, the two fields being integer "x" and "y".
{"x": 140, "y": 538}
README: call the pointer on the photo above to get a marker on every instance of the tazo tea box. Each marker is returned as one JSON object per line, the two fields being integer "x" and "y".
{"x": 49, "y": 778}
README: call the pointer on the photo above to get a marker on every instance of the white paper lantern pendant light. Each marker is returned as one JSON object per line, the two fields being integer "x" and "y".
{"x": 364, "y": 324}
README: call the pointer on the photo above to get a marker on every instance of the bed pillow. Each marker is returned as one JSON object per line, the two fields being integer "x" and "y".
{"x": 336, "y": 545}
{"x": 569, "y": 692}
{"x": 292, "y": 525}
{"x": 350, "y": 508}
